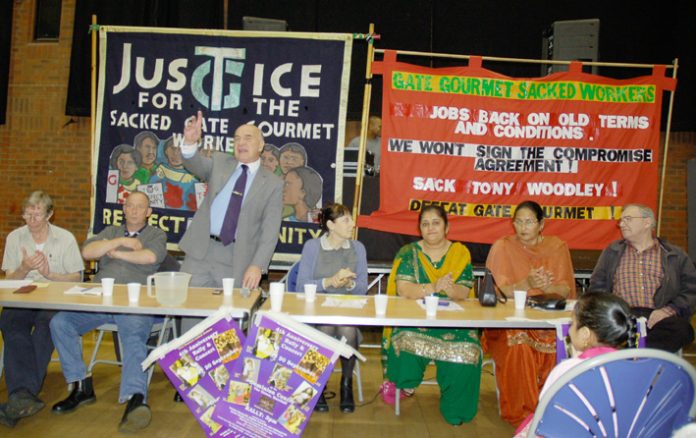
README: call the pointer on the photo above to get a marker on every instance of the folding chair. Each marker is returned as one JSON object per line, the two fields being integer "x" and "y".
{"x": 628, "y": 393}
{"x": 163, "y": 329}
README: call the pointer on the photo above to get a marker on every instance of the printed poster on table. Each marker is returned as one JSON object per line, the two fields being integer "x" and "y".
{"x": 275, "y": 383}
{"x": 293, "y": 86}
{"x": 478, "y": 143}
{"x": 200, "y": 370}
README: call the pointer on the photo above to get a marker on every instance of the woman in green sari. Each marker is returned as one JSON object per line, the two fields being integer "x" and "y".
{"x": 434, "y": 265}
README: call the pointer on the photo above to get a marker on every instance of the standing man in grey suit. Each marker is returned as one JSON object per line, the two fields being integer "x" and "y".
{"x": 220, "y": 242}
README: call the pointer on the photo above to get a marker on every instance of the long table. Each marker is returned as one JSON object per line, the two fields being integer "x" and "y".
{"x": 201, "y": 302}
{"x": 381, "y": 269}
{"x": 407, "y": 313}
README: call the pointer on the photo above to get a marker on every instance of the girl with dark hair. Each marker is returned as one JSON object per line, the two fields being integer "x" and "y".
{"x": 531, "y": 261}
{"x": 600, "y": 323}
{"x": 336, "y": 264}
{"x": 602, "y": 319}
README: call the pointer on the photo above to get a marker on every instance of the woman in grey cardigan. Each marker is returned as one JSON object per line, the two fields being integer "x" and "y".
{"x": 336, "y": 264}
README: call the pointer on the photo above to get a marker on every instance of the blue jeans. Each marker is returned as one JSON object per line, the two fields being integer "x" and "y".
{"x": 28, "y": 348}
{"x": 133, "y": 330}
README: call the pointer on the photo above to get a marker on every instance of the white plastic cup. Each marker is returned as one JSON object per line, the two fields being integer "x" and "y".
{"x": 431, "y": 302}
{"x": 107, "y": 286}
{"x": 310, "y": 292}
{"x": 381, "y": 301}
{"x": 226, "y": 301}
{"x": 133, "y": 292}
{"x": 520, "y": 299}
{"x": 227, "y": 286}
{"x": 277, "y": 292}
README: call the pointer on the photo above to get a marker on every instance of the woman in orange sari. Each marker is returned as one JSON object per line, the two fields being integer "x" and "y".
{"x": 537, "y": 264}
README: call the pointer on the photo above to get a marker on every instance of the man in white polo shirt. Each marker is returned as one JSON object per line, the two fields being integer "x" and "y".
{"x": 38, "y": 251}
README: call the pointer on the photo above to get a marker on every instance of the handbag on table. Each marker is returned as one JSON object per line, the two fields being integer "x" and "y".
{"x": 547, "y": 302}
{"x": 487, "y": 294}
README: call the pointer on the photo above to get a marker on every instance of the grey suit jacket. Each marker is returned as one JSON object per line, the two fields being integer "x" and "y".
{"x": 259, "y": 219}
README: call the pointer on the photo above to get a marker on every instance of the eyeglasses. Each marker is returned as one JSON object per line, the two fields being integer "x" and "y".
{"x": 35, "y": 216}
{"x": 628, "y": 219}
{"x": 524, "y": 223}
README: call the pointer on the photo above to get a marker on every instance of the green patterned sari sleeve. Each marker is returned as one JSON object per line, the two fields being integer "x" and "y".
{"x": 407, "y": 267}
{"x": 467, "y": 276}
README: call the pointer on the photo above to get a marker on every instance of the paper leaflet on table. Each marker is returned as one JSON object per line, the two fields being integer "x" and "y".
{"x": 345, "y": 302}
{"x": 278, "y": 378}
{"x": 231, "y": 384}
{"x": 81, "y": 290}
{"x": 443, "y": 305}
{"x": 14, "y": 284}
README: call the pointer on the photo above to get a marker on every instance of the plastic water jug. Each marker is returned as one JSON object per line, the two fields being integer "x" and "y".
{"x": 171, "y": 287}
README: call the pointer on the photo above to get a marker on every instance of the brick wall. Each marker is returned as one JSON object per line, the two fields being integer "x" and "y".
{"x": 674, "y": 217}
{"x": 37, "y": 149}
{"x": 40, "y": 150}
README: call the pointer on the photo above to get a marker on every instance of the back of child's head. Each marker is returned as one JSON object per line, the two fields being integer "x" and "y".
{"x": 609, "y": 317}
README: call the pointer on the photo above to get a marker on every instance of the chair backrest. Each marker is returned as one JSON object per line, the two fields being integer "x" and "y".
{"x": 627, "y": 393}
{"x": 292, "y": 277}
{"x": 169, "y": 264}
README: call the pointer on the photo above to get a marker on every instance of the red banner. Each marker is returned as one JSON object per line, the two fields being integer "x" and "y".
{"x": 479, "y": 143}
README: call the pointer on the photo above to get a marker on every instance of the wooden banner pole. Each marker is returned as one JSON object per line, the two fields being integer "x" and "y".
{"x": 367, "y": 94}
{"x": 668, "y": 127}
{"x": 93, "y": 88}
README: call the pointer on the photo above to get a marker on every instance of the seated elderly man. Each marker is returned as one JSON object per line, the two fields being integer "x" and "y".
{"x": 127, "y": 253}
{"x": 657, "y": 279}
{"x": 38, "y": 251}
